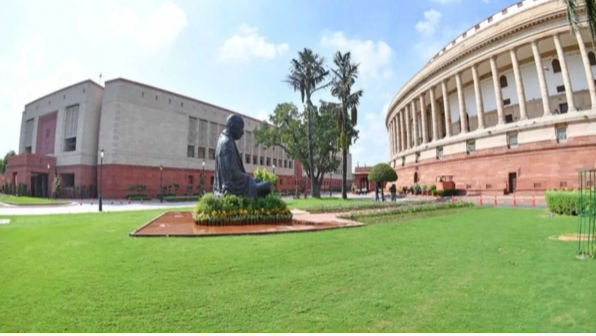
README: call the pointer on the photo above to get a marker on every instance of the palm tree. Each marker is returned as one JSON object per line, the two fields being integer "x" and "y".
{"x": 307, "y": 75}
{"x": 572, "y": 14}
{"x": 345, "y": 74}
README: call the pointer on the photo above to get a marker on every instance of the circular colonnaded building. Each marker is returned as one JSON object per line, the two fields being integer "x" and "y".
{"x": 509, "y": 106}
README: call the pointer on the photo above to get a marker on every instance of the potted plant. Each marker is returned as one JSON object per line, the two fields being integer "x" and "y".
{"x": 424, "y": 189}
{"x": 433, "y": 190}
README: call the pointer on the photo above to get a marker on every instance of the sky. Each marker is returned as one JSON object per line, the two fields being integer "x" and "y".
{"x": 230, "y": 53}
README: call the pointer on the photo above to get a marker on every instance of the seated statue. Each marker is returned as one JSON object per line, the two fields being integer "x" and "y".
{"x": 230, "y": 176}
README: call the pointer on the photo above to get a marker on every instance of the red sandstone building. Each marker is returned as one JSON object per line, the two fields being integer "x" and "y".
{"x": 149, "y": 137}
{"x": 509, "y": 106}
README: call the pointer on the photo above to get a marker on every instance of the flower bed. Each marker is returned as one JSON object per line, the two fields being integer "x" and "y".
{"x": 234, "y": 210}
{"x": 346, "y": 207}
{"x": 411, "y": 208}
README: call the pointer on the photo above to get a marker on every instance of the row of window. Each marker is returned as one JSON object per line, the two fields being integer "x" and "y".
{"x": 256, "y": 160}
{"x": 512, "y": 142}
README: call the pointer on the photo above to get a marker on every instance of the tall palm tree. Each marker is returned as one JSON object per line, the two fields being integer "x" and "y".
{"x": 572, "y": 14}
{"x": 307, "y": 75}
{"x": 345, "y": 75}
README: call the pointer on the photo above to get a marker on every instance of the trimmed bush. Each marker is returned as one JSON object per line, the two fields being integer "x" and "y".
{"x": 407, "y": 210}
{"x": 363, "y": 206}
{"x": 562, "y": 202}
{"x": 447, "y": 192}
{"x": 234, "y": 210}
{"x": 190, "y": 198}
{"x": 137, "y": 197}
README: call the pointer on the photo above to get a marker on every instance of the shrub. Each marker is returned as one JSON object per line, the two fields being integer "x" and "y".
{"x": 187, "y": 198}
{"x": 137, "y": 197}
{"x": 562, "y": 202}
{"x": 363, "y": 206}
{"x": 265, "y": 175}
{"x": 410, "y": 208}
{"x": 235, "y": 210}
{"x": 447, "y": 192}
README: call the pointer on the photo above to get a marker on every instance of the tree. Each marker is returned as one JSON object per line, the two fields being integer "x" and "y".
{"x": 289, "y": 129}
{"x": 345, "y": 75}
{"x": 573, "y": 17}
{"x": 4, "y": 162}
{"x": 266, "y": 175}
{"x": 382, "y": 173}
{"x": 307, "y": 75}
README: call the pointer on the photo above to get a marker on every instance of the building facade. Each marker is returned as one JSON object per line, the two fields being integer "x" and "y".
{"x": 509, "y": 106}
{"x": 149, "y": 137}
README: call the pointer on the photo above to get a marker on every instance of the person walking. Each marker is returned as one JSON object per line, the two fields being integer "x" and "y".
{"x": 377, "y": 192}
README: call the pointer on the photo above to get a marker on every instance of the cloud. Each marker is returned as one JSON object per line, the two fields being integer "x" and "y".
{"x": 446, "y": 2}
{"x": 262, "y": 114}
{"x": 372, "y": 134}
{"x": 432, "y": 18}
{"x": 374, "y": 58}
{"x": 431, "y": 38}
{"x": 154, "y": 29}
{"x": 248, "y": 43}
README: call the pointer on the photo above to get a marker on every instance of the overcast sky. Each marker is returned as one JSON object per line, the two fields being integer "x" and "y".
{"x": 230, "y": 53}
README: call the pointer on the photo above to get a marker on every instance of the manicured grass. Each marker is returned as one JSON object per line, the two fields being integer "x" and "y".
{"x": 482, "y": 270}
{"x": 27, "y": 200}
{"x": 309, "y": 203}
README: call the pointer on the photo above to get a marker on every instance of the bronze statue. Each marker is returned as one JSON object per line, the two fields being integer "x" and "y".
{"x": 230, "y": 175}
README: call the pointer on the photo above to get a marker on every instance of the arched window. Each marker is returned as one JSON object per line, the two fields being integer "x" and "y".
{"x": 592, "y": 58}
{"x": 556, "y": 66}
{"x": 503, "y": 81}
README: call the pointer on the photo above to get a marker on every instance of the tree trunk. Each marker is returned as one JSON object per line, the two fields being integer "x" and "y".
{"x": 344, "y": 173}
{"x": 310, "y": 158}
{"x": 316, "y": 188}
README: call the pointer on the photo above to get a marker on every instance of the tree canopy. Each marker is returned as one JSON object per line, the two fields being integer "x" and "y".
{"x": 288, "y": 130}
{"x": 382, "y": 172}
{"x": 4, "y": 162}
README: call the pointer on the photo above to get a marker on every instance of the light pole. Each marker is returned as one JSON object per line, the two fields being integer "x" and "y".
{"x": 273, "y": 174}
{"x": 160, "y": 184}
{"x": 100, "y": 174}
{"x": 202, "y": 182}
{"x": 48, "y": 183}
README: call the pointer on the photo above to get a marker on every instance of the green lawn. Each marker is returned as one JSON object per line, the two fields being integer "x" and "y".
{"x": 471, "y": 270}
{"x": 27, "y": 200}
{"x": 309, "y": 203}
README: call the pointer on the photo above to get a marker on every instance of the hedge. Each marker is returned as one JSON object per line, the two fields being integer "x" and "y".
{"x": 235, "y": 210}
{"x": 407, "y": 210}
{"x": 446, "y": 192}
{"x": 562, "y": 202}
{"x": 137, "y": 197}
{"x": 191, "y": 198}
{"x": 364, "y": 206}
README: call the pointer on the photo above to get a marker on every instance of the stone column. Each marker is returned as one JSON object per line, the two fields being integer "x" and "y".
{"x": 423, "y": 117}
{"x": 433, "y": 112}
{"x": 463, "y": 124}
{"x": 396, "y": 131}
{"x": 478, "y": 95}
{"x": 519, "y": 85}
{"x": 408, "y": 129}
{"x": 402, "y": 124}
{"x": 565, "y": 74}
{"x": 391, "y": 138}
{"x": 414, "y": 123}
{"x": 587, "y": 68}
{"x": 541, "y": 79}
{"x": 446, "y": 108}
{"x": 498, "y": 93}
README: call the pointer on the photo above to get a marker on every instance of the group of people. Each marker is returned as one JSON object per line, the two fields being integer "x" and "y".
{"x": 392, "y": 190}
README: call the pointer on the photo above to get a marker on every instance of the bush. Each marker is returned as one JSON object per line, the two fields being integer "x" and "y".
{"x": 562, "y": 202}
{"x": 363, "y": 206}
{"x": 447, "y": 192}
{"x": 188, "y": 198}
{"x": 382, "y": 172}
{"x": 265, "y": 175}
{"x": 137, "y": 197}
{"x": 410, "y": 208}
{"x": 235, "y": 210}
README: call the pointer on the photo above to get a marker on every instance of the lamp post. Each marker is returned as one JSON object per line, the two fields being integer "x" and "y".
{"x": 202, "y": 178}
{"x": 273, "y": 174}
{"x": 48, "y": 183}
{"x": 100, "y": 175}
{"x": 160, "y": 183}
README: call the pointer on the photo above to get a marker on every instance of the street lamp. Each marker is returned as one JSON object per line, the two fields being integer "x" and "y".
{"x": 100, "y": 175}
{"x": 160, "y": 184}
{"x": 48, "y": 183}
{"x": 202, "y": 177}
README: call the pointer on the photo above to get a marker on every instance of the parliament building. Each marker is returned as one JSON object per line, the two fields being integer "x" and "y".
{"x": 509, "y": 106}
{"x": 149, "y": 137}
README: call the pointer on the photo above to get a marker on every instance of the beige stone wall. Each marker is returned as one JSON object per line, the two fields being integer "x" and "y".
{"x": 88, "y": 96}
